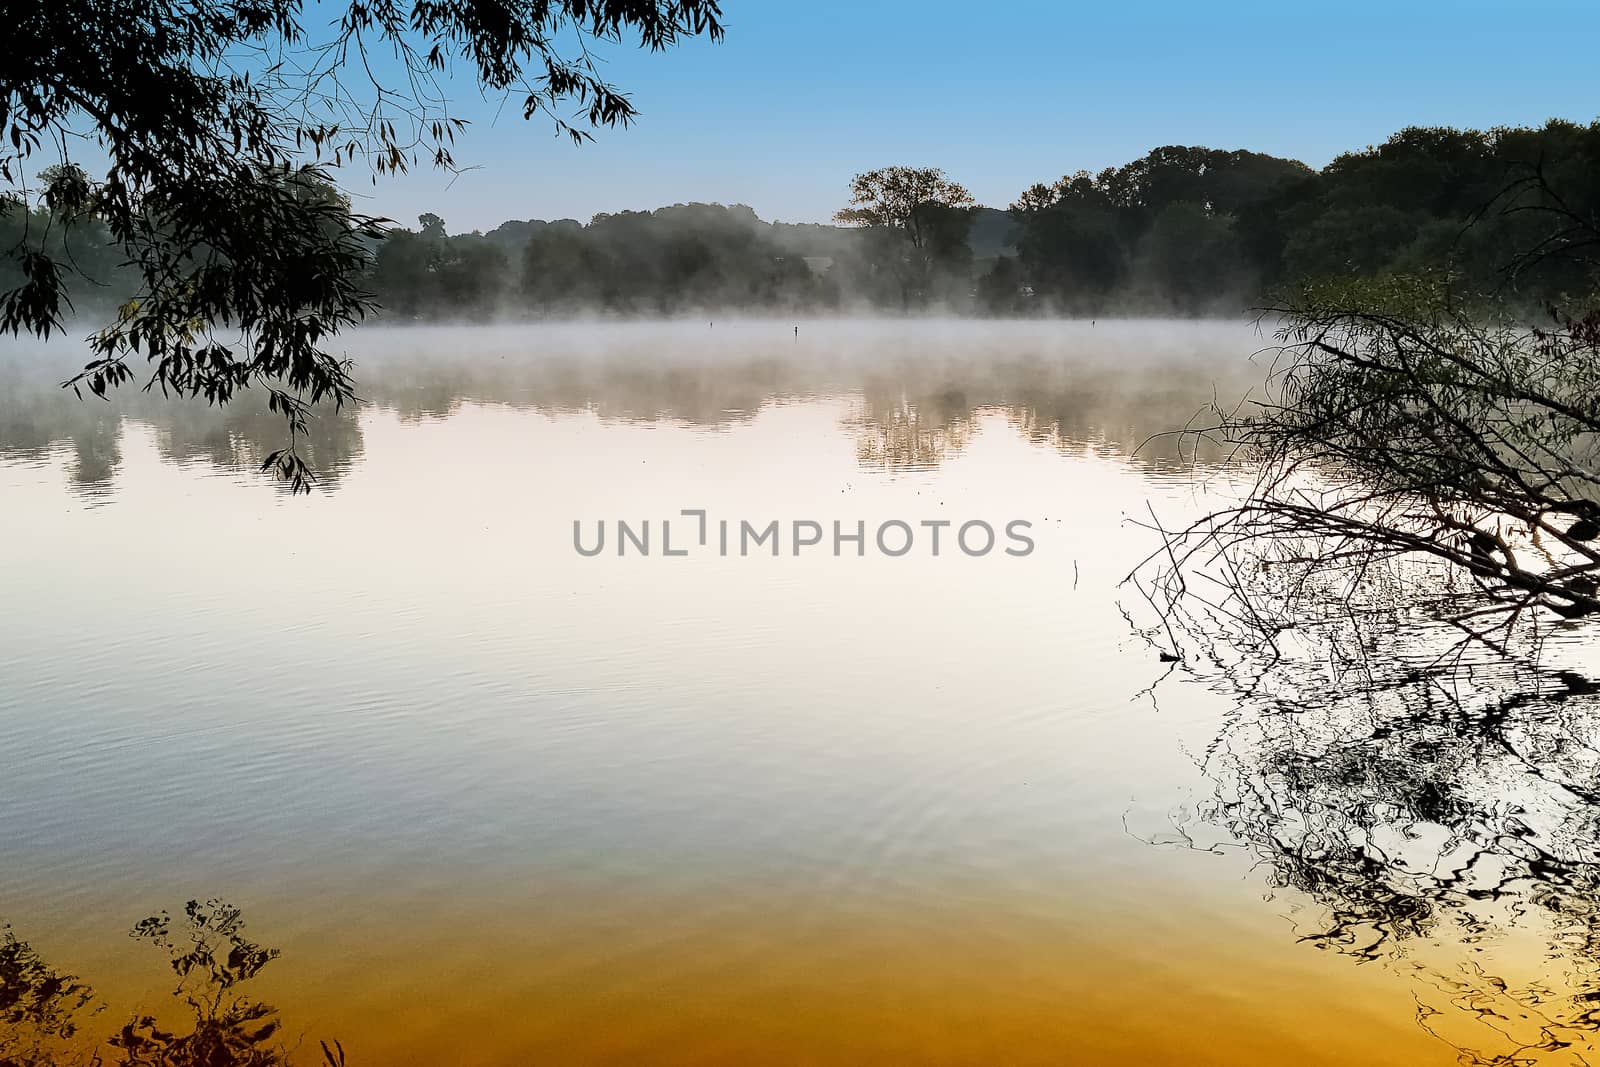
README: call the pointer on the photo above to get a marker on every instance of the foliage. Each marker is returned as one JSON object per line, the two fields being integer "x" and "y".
{"x": 175, "y": 248}
{"x": 897, "y": 197}
{"x": 1156, "y": 232}
{"x": 1413, "y": 452}
{"x": 1425, "y": 198}
{"x": 1182, "y": 230}
{"x": 223, "y": 123}
{"x": 933, "y": 216}
{"x": 684, "y": 258}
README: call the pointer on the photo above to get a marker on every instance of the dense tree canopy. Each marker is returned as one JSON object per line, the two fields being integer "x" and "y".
{"x": 1182, "y": 230}
{"x": 899, "y": 197}
{"x": 221, "y": 123}
{"x": 918, "y": 220}
{"x": 178, "y": 267}
{"x": 1193, "y": 230}
{"x": 1425, "y": 449}
{"x": 1178, "y": 231}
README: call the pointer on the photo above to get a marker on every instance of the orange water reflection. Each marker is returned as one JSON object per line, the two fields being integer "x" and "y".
{"x": 498, "y": 803}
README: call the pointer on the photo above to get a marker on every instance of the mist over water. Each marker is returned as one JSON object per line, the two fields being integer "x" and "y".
{"x": 498, "y": 802}
{"x": 915, "y": 385}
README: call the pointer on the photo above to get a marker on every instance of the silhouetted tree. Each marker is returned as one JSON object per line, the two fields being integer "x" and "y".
{"x": 1157, "y": 232}
{"x": 221, "y": 157}
{"x": 1419, "y": 442}
{"x": 932, "y": 214}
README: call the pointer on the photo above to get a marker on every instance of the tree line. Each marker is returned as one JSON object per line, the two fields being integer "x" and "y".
{"x": 1181, "y": 230}
{"x": 235, "y": 257}
{"x": 1196, "y": 229}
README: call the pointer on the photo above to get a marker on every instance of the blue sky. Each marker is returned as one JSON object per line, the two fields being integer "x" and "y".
{"x": 801, "y": 95}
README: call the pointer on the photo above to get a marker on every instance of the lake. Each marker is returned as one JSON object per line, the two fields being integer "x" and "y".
{"x": 500, "y": 801}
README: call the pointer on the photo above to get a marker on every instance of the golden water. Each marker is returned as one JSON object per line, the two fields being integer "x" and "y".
{"x": 500, "y": 803}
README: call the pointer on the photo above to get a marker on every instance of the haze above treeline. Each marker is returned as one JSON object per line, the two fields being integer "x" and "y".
{"x": 1181, "y": 231}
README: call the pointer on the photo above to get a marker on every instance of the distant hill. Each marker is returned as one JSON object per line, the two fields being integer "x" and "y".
{"x": 512, "y": 237}
{"x": 993, "y": 231}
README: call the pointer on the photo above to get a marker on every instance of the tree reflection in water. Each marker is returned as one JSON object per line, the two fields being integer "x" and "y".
{"x": 1445, "y": 822}
{"x": 40, "y": 1008}
{"x": 47, "y": 1017}
{"x": 914, "y": 399}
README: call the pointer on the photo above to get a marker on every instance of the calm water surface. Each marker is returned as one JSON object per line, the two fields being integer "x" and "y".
{"x": 500, "y": 803}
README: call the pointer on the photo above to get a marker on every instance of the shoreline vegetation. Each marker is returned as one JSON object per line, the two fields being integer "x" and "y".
{"x": 1405, "y": 521}
{"x": 1180, "y": 232}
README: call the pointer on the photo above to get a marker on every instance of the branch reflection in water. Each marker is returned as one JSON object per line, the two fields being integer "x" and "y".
{"x": 1404, "y": 815}
{"x": 1412, "y": 814}
{"x": 52, "y": 1019}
